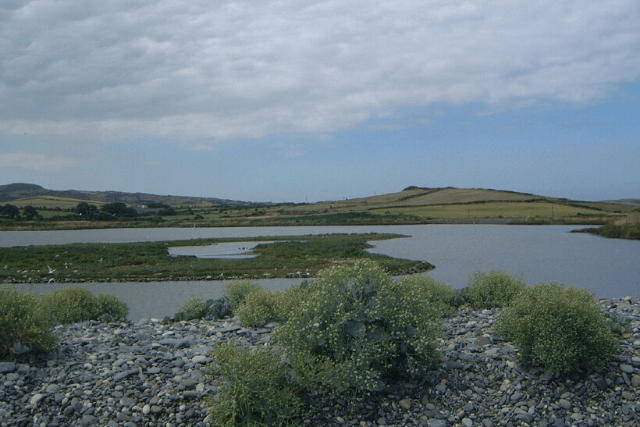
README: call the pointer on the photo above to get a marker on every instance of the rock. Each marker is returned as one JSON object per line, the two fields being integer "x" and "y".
{"x": 627, "y": 369}
{"x": 565, "y": 404}
{"x": 7, "y": 367}
{"x": 405, "y": 403}
{"x": 517, "y": 396}
{"x": 200, "y": 359}
{"x": 627, "y": 395}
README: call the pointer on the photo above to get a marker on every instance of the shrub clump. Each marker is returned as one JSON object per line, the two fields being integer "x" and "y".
{"x": 440, "y": 294}
{"x": 495, "y": 289}
{"x": 236, "y": 293}
{"x": 559, "y": 328}
{"x": 194, "y": 308}
{"x": 262, "y": 307}
{"x": 364, "y": 323}
{"x": 71, "y": 305}
{"x": 258, "y": 387}
{"x": 24, "y": 327}
{"x": 112, "y": 309}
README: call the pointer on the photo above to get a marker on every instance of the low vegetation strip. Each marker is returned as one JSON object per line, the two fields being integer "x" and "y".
{"x": 301, "y": 256}
{"x": 613, "y": 231}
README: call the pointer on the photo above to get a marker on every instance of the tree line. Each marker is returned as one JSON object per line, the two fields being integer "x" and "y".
{"x": 88, "y": 212}
{"x": 13, "y": 212}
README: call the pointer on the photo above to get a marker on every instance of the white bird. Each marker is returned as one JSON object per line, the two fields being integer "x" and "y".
{"x": 51, "y": 270}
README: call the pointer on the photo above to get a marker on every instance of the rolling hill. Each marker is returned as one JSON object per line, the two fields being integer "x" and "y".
{"x": 413, "y": 205}
{"x": 32, "y": 194}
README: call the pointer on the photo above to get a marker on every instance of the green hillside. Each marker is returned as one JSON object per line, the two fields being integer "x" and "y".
{"x": 413, "y": 205}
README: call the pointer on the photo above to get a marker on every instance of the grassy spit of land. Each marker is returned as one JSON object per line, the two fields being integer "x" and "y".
{"x": 291, "y": 256}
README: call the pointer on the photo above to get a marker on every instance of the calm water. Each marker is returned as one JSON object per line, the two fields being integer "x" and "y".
{"x": 607, "y": 267}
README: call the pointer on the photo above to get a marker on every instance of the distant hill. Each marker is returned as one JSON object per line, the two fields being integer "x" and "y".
{"x": 19, "y": 191}
{"x": 626, "y": 202}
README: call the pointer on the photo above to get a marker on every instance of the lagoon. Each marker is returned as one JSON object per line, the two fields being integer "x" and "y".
{"x": 607, "y": 267}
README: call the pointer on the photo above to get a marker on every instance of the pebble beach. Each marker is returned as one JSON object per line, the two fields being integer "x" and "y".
{"x": 152, "y": 374}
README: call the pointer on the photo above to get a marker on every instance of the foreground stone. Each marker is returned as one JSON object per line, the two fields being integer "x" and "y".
{"x": 150, "y": 374}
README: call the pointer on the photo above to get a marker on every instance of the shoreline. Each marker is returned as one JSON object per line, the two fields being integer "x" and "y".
{"x": 517, "y": 220}
{"x": 150, "y": 374}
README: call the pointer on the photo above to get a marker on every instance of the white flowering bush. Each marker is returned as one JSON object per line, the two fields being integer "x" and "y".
{"x": 559, "y": 328}
{"x": 495, "y": 289}
{"x": 365, "y": 324}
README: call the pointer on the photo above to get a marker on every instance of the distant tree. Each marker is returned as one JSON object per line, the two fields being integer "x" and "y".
{"x": 118, "y": 209}
{"x": 10, "y": 211}
{"x": 30, "y": 213}
{"x": 85, "y": 210}
{"x": 168, "y": 211}
{"x": 103, "y": 216}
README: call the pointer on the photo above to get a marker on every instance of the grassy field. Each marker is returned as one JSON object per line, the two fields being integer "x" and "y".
{"x": 151, "y": 261}
{"x": 410, "y": 206}
{"x": 495, "y": 209}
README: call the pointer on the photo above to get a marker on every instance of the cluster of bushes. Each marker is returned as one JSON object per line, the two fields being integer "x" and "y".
{"x": 235, "y": 296}
{"x": 354, "y": 328}
{"x": 27, "y": 321}
{"x": 13, "y": 212}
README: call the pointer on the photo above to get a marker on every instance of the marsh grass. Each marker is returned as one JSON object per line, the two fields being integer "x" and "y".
{"x": 150, "y": 260}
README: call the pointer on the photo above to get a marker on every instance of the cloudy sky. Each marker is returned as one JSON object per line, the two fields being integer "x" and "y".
{"x": 296, "y": 100}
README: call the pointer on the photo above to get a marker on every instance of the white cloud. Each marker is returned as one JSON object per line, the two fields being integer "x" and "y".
{"x": 38, "y": 162}
{"x": 229, "y": 69}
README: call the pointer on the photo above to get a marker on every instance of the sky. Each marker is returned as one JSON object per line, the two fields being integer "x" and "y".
{"x": 304, "y": 101}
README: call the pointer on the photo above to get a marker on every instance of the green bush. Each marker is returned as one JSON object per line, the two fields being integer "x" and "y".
{"x": 112, "y": 309}
{"x": 71, "y": 305}
{"x": 438, "y": 293}
{"x": 258, "y": 388}
{"x": 261, "y": 307}
{"x": 236, "y": 292}
{"x": 561, "y": 329}
{"x": 24, "y": 328}
{"x": 366, "y": 323}
{"x": 495, "y": 289}
{"x": 194, "y": 308}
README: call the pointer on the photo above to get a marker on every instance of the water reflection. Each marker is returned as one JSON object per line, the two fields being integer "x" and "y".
{"x": 229, "y": 250}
